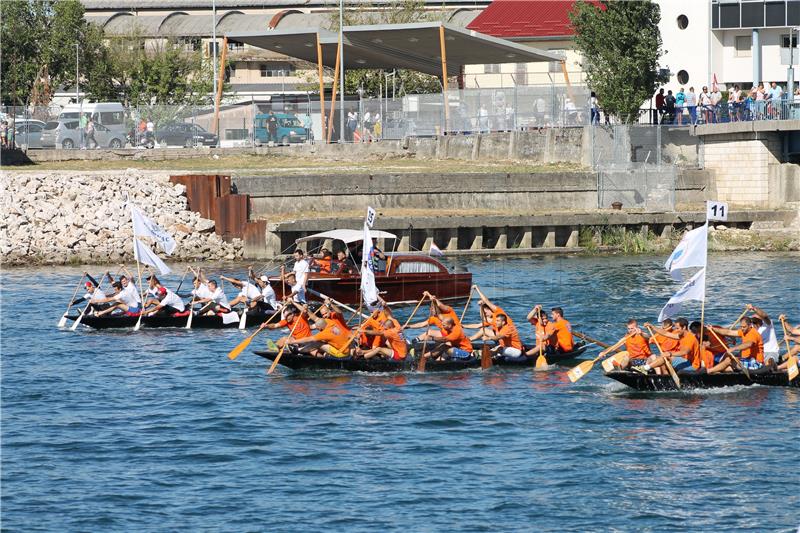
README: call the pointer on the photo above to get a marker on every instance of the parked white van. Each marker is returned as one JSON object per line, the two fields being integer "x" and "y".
{"x": 109, "y": 114}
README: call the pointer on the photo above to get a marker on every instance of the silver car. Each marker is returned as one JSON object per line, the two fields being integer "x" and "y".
{"x": 67, "y": 134}
{"x": 28, "y": 133}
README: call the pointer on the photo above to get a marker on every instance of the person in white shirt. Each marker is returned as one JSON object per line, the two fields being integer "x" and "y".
{"x": 215, "y": 302}
{"x": 169, "y": 303}
{"x": 301, "y": 267}
{"x": 151, "y": 294}
{"x": 298, "y": 290}
{"x": 200, "y": 293}
{"x": 127, "y": 299}
{"x": 247, "y": 292}
{"x": 267, "y": 301}
{"x": 94, "y": 297}
{"x": 766, "y": 329}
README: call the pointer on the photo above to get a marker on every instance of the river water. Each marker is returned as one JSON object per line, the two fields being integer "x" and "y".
{"x": 159, "y": 431}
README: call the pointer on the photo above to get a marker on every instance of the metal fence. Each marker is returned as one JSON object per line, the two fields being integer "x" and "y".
{"x": 637, "y": 185}
{"x": 744, "y": 111}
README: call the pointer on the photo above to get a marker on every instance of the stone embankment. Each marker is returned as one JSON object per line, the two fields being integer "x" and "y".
{"x": 81, "y": 217}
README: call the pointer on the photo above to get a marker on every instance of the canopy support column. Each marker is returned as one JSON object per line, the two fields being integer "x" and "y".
{"x": 320, "y": 71}
{"x": 218, "y": 96}
{"x": 333, "y": 94}
{"x": 443, "y": 49}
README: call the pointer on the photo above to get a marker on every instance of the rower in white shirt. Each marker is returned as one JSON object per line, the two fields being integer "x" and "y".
{"x": 169, "y": 303}
{"x": 247, "y": 292}
{"x": 127, "y": 299}
{"x": 298, "y": 289}
{"x": 267, "y": 301}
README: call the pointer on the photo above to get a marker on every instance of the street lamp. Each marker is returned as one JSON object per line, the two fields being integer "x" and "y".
{"x": 341, "y": 71}
{"x": 214, "y": 41}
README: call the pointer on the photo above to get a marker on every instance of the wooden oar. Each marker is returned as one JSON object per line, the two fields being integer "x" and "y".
{"x": 337, "y": 302}
{"x": 582, "y": 369}
{"x": 414, "y": 311}
{"x": 791, "y": 360}
{"x": 245, "y": 343}
{"x": 181, "y": 282}
{"x": 541, "y": 361}
{"x": 63, "y": 321}
{"x": 587, "y": 338}
{"x": 466, "y": 306}
{"x": 191, "y": 304}
{"x": 738, "y": 319}
{"x": 486, "y": 354}
{"x": 141, "y": 296}
{"x": 730, "y": 353}
{"x": 280, "y": 352}
{"x": 670, "y": 368}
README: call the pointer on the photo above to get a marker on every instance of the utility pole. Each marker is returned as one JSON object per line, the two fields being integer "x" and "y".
{"x": 77, "y": 75}
{"x": 341, "y": 71}
{"x": 214, "y": 40}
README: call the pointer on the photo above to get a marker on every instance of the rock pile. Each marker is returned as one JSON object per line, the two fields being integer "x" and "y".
{"x": 70, "y": 217}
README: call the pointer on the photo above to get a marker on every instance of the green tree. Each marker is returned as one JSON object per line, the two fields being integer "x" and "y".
{"x": 620, "y": 44}
{"x": 39, "y": 51}
{"x": 395, "y": 12}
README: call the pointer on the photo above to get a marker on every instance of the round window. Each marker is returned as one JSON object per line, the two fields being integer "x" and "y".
{"x": 683, "y": 77}
{"x": 683, "y": 22}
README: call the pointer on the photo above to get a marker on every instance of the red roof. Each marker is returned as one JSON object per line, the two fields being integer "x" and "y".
{"x": 525, "y": 18}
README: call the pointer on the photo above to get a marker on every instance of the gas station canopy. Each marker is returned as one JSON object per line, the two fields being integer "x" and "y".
{"x": 416, "y": 46}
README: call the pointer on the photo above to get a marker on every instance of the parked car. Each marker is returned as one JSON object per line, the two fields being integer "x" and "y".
{"x": 28, "y": 133}
{"x": 290, "y": 129}
{"x": 187, "y": 135}
{"x": 67, "y": 134}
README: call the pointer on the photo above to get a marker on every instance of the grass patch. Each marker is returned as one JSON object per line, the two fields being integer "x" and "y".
{"x": 592, "y": 238}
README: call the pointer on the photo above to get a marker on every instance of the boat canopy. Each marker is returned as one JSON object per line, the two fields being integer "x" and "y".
{"x": 347, "y": 235}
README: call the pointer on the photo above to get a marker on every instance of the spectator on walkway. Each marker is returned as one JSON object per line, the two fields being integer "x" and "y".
{"x": 91, "y": 143}
{"x": 774, "y": 96}
{"x": 150, "y": 130}
{"x": 11, "y": 132}
{"x": 760, "y": 102}
{"x": 734, "y": 111}
{"x": 680, "y": 103}
{"x": 141, "y": 130}
{"x": 669, "y": 108}
{"x": 691, "y": 105}
{"x": 704, "y": 102}
{"x": 659, "y": 117}
{"x": 716, "y": 99}
{"x": 352, "y": 124}
{"x": 4, "y": 134}
{"x": 272, "y": 127}
{"x": 595, "y": 110}
{"x": 83, "y": 121}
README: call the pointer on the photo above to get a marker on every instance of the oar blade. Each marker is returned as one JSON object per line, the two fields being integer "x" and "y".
{"x": 76, "y": 323}
{"x": 791, "y": 368}
{"x": 486, "y": 357}
{"x": 421, "y": 364}
{"x": 243, "y": 320}
{"x": 239, "y": 348}
{"x": 138, "y": 322}
{"x": 609, "y": 364}
{"x": 579, "y": 371}
{"x": 541, "y": 363}
{"x": 63, "y": 321}
{"x": 189, "y": 320}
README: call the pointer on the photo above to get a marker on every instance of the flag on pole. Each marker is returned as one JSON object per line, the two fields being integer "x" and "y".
{"x": 144, "y": 227}
{"x": 145, "y": 255}
{"x": 369, "y": 290}
{"x": 694, "y": 289}
{"x": 692, "y": 251}
{"x": 435, "y": 250}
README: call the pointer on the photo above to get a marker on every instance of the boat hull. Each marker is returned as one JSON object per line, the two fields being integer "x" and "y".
{"x": 552, "y": 359}
{"x": 198, "y": 322}
{"x": 652, "y": 382}
{"x": 295, "y": 361}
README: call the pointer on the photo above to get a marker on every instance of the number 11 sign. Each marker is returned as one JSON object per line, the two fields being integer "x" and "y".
{"x": 716, "y": 211}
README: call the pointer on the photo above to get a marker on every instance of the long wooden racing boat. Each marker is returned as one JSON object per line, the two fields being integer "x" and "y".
{"x": 653, "y": 382}
{"x": 552, "y": 359}
{"x": 164, "y": 321}
{"x": 297, "y": 361}
{"x": 401, "y": 278}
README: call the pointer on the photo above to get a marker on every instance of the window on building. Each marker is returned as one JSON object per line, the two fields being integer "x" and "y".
{"x": 776, "y": 13}
{"x": 235, "y": 46}
{"x": 264, "y": 70}
{"x": 190, "y": 43}
{"x": 785, "y": 40}
{"x": 744, "y": 46}
{"x": 752, "y": 14}
{"x": 793, "y": 13}
{"x": 491, "y": 69}
{"x": 683, "y": 22}
{"x": 729, "y": 15}
{"x": 213, "y": 48}
{"x": 683, "y": 77}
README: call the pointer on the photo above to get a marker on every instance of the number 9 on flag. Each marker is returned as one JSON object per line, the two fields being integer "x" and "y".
{"x": 716, "y": 211}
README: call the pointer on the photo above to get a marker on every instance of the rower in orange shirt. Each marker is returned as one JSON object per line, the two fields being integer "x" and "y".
{"x": 713, "y": 349}
{"x": 563, "y": 330}
{"x": 333, "y": 340}
{"x": 544, "y": 333}
{"x": 490, "y": 312}
{"x": 507, "y": 337}
{"x": 438, "y": 313}
{"x": 751, "y": 348}
{"x": 393, "y": 345}
{"x": 292, "y": 315}
{"x": 637, "y": 346}
{"x": 455, "y": 345}
{"x": 686, "y": 358}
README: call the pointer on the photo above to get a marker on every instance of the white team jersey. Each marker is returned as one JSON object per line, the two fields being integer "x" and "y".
{"x": 249, "y": 291}
{"x": 268, "y": 295}
{"x": 129, "y": 296}
{"x": 298, "y": 292}
{"x": 201, "y": 292}
{"x": 768, "y": 337}
{"x": 220, "y": 298}
{"x": 301, "y": 269}
{"x": 173, "y": 300}
{"x": 95, "y": 296}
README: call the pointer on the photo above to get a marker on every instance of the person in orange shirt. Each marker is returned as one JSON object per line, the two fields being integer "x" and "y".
{"x": 438, "y": 312}
{"x": 544, "y": 332}
{"x": 667, "y": 344}
{"x": 331, "y": 340}
{"x": 507, "y": 337}
{"x": 292, "y": 315}
{"x": 563, "y": 329}
{"x": 751, "y": 348}
{"x": 687, "y": 358}
{"x": 489, "y": 312}
{"x": 454, "y": 344}
{"x": 637, "y": 346}
{"x": 792, "y": 335}
{"x": 394, "y": 345}
{"x": 324, "y": 261}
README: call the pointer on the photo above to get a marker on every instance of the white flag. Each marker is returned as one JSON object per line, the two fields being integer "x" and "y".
{"x": 369, "y": 290}
{"x": 694, "y": 289}
{"x": 144, "y": 227}
{"x": 435, "y": 250}
{"x": 692, "y": 251}
{"x": 145, "y": 255}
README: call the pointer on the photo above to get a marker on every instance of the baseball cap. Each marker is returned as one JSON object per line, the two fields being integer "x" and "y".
{"x": 162, "y": 291}
{"x": 264, "y": 278}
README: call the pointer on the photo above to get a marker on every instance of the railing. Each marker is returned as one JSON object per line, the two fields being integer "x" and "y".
{"x": 724, "y": 112}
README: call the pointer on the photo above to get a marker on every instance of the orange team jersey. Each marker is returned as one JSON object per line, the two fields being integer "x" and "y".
{"x": 396, "y": 342}
{"x": 509, "y": 338}
{"x": 708, "y": 358}
{"x": 492, "y": 316}
{"x": 334, "y": 336}
{"x": 757, "y": 349}
{"x": 564, "y": 335}
{"x": 457, "y": 338}
{"x": 716, "y": 343}
{"x": 302, "y": 329}
{"x": 546, "y": 331}
{"x": 689, "y": 343}
{"x": 434, "y": 320}
{"x": 637, "y": 347}
{"x": 667, "y": 344}
{"x": 338, "y": 318}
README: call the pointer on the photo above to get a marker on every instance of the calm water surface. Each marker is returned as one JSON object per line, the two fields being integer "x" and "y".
{"x": 159, "y": 431}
